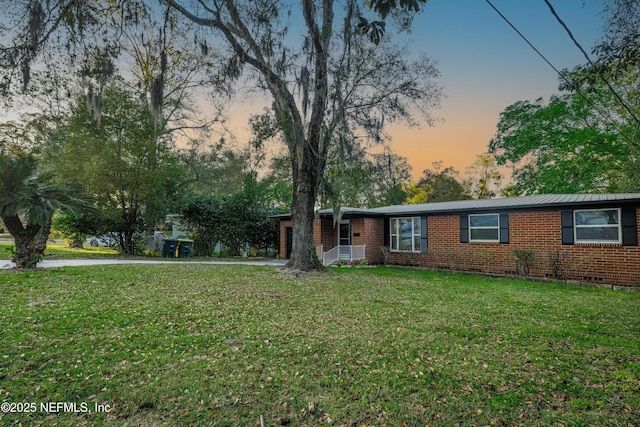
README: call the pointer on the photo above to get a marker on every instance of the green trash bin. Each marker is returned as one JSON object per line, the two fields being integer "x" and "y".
{"x": 184, "y": 248}
{"x": 169, "y": 248}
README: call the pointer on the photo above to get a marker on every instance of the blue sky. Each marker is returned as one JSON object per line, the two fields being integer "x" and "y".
{"x": 485, "y": 66}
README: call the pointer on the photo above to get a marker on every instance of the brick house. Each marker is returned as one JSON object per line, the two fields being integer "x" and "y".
{"x": 587, "y": 237}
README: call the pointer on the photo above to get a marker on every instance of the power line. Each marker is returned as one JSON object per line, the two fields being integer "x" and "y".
{"x": 562, "y": 75}
{"x": 527, "y": 41}
{"x": 613, "y": 91}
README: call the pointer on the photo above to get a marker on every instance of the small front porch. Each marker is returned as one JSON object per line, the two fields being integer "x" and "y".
{"x": 344, "y": 253}
{"x": 351, "y": 239}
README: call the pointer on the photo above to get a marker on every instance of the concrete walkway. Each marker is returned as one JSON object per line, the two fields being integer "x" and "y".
{"x": 89, "y": 262}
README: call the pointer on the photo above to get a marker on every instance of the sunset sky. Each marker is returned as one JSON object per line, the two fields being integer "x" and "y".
{"x": 486, "y": 66}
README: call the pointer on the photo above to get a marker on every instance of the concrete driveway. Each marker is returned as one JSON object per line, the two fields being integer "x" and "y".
{"x": 89, "y": 262}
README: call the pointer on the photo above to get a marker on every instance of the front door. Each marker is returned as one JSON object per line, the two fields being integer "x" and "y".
{"x": 344, "y": 239}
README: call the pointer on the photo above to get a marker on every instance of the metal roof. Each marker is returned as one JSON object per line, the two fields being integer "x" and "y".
{"x": 347, "y": 211}
{"x": 525, "y": 202}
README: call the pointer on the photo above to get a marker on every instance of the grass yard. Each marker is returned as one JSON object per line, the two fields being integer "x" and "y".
{"x": 63, "y": 252}
{"x": 88, "y": 252}
{"x": 217, "y": 345}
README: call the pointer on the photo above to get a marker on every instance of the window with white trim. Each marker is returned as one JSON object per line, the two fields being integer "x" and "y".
{"x": 484, "y": 228}
{"x": 405, "y": 234}
{"x": 597, "y": 226}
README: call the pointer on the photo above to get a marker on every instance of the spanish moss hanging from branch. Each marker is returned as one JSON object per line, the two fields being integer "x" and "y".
{"x": 157, "y": 90}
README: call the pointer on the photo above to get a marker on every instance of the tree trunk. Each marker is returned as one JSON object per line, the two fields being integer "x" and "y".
{"x": 30, "y": 241}
{"x": 305, "y": 189}
{"x": 303, "y": 251}
{"x": 308, "y": 154}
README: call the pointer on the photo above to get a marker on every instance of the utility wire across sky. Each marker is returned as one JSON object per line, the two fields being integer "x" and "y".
{"x": 611, "y": 88}
{"x": 563, "y": 75}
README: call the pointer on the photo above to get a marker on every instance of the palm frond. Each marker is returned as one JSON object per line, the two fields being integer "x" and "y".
{"x": 35, "y": 197}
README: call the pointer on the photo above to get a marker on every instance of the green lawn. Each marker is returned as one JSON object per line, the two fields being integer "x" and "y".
{"x": 224, "y": 345}
{"x": 64, "y": 252}
{"x": 55, "y": 251}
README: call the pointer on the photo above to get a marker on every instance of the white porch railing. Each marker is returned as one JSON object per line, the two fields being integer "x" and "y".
{"x": 358, "y": 252}
{"x": 330, "y": 256}
{"x": 344, "y": 252}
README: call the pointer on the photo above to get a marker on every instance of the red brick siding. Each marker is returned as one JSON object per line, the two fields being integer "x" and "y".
{"x": 317, "y": 231}
{"x": 371, "y": 233}
{"x": 539, "y": 231}
{"x": 284, "y": 223}
{"x": 329, "y": 235}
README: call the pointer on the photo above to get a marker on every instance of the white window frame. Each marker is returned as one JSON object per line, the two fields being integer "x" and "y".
{"x": 493, "y": 227}
{"x": 395, "y": 238}
{"x": 618, "y": 226}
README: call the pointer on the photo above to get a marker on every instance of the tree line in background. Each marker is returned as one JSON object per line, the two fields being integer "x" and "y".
{"x": 130, "y": 177}
{"x": 114, "y": 139}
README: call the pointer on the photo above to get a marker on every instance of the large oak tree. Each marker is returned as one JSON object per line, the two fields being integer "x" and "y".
{"x": 329, "y": 84}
